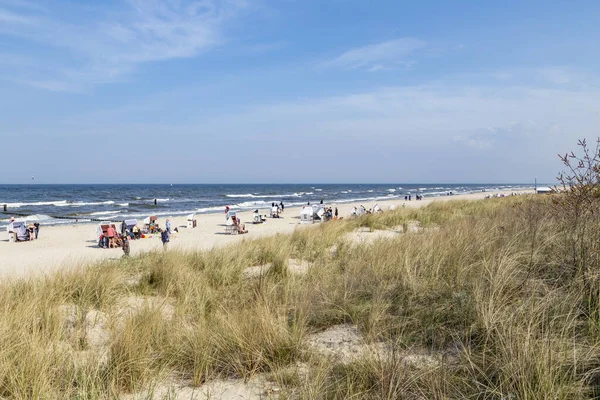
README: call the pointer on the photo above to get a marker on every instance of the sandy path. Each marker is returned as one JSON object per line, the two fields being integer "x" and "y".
{"x": 71, "y": 245}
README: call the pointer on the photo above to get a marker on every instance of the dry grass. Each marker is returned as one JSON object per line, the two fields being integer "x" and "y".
{"x": 491, "y": 297}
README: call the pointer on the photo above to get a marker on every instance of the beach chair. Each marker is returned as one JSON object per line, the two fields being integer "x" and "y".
{"x": 11, "y": 232}
{"x": 191, "y": 221}
{"x": 306, "y": 215}
{"x": 150, "y": 224}
{"x": 20, "y": 233}
{"x": 230, "y": 214}
{"x": 127, "y": 226}
{"x": 256, "y": 218}
{"x": 230, "y": 227}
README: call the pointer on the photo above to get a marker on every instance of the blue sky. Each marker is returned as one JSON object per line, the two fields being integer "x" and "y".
{"x": 221, "y": 91}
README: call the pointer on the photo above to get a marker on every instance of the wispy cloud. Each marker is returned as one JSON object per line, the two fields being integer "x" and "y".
{"x": 391, "y": 53}
{"x": 100, "y": 44}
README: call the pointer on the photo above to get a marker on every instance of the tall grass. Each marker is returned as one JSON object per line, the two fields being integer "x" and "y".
{"x": 487, "y": 290}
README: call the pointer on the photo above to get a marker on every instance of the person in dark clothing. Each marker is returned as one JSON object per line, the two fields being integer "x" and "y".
{"x": 36, "y": 226}
{"x": 281, "y": 205}
{"x": 125, "y": 246}
{"x": 336, "y": 213}
{"x": 321, "y": 201}
{"x": 164, "y": 236}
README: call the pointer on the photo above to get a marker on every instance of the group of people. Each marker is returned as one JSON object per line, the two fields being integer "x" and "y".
{"x": 112, "y": 239}
{"x": 32, "y": 231}
{"x": 276, "y": 209}
{"x": 361, "y": 210}
{"x": 331, "y": 213}
{"x": 408, "y": 197}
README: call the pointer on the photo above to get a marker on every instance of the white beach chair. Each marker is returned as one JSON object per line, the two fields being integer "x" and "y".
{"x": 230, "y": 227}
{"x": 307, "y": 215}
{"x": 191, "y": 221}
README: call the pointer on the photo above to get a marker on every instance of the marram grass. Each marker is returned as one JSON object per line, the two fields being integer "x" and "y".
{"x": 489, "y": 289}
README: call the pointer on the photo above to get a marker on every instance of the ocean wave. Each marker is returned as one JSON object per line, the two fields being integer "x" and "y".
{"x": 92, "y": 203}
{"x": 124, "y": 205}
{"x": 105, "y": 213}
{"x": 391, "y": 190}
{"x": 208, "y": 209}
{"x": 239, "y": 195}
{"x": 38, "y": 203}
{"x": 252, "y": 204}
{"x": 267, "y": 196}
{"x": 34, "y": 217}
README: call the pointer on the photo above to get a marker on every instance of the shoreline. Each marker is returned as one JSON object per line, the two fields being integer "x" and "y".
{"x": 70, "y": 245}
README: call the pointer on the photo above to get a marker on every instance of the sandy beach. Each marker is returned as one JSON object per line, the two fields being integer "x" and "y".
{"x": 68, "y": 246}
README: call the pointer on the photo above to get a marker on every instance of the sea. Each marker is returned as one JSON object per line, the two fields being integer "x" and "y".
{"x": 67, "y": 204}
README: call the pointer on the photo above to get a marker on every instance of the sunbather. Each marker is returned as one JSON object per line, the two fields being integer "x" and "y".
{"x": 241, "y": 227}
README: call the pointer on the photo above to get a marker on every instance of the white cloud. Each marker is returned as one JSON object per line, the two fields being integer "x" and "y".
{"x": 96, "y": 45}
{"x": 391, "y": 53}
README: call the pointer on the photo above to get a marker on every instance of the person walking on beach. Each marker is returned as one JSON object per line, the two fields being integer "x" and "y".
{"x": 168, "y": 226}
{"x": 125, "y": 246}
{"x": 36, "y": 226}
{"x": 281, "y": 205}
{"x": 164, "y": 237}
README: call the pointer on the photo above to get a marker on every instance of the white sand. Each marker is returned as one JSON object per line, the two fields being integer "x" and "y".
{"x": 71, "y": 245}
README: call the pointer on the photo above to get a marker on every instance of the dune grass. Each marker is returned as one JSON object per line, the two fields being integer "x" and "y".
{"x": 490, "y": 291}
